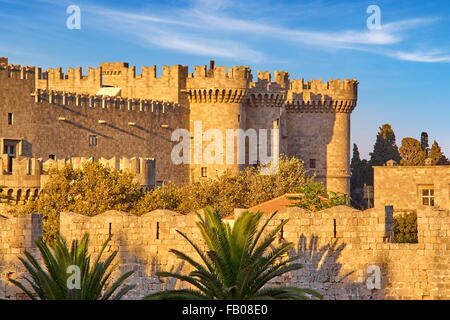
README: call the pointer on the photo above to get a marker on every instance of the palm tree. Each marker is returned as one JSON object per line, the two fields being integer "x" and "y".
{"x": 238, "y": 263}
{"x": 56, "y": 282}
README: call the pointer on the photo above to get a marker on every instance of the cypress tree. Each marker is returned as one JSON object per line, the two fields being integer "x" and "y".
{"x": 385, "y": 149}
{"x": 355, "y": 169}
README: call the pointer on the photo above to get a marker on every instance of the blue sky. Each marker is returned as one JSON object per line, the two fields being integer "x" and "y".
{"x": 403, "y": 68}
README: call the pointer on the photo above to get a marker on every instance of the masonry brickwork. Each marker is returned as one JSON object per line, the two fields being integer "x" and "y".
{"x": 55, "y": 113}
{"x": 339, "y": 246}
{"x": 406, "y": 188}
{"x": 17, "y": 235}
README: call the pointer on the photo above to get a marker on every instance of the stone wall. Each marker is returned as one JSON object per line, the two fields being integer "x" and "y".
{"x": 143, "y": 242}
{"x": 400, "y": 186}
{"x": 63, "y": 129}
{"x": 17, "y": 235}
{"x": 337, "y": 245}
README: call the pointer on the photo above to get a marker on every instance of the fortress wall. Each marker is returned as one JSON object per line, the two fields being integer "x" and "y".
{"x": 324, "y": 137}
{"x": 64, "y": 130}
{"x": 143, "y": 243}
{"x": 215, "y": 101}
{"x": 146, "y": 85}
{"x": 214, "y": 95}
{"x": 337, "y": 246}
{"x": 317, "y": 89}
{"x": 17, "y": 235}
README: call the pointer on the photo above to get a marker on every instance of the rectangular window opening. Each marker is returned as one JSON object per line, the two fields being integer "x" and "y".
{"x": 428, "y": 197}
{"x": 157, "y": 230}
{"x": 93, "y": 141}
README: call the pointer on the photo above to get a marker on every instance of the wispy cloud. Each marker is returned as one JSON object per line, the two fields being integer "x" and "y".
{"x": 204, "y": 28}
{"x": 429, "y": 57}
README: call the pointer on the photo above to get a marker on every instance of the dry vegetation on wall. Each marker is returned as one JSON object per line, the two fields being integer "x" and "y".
{"x": 95, "y": 188}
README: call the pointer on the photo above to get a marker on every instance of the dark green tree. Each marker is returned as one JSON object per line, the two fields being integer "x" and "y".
{"x": 424, "y": 141}
{"x": 356, "y": 179}
{"x": 385, "y": 149}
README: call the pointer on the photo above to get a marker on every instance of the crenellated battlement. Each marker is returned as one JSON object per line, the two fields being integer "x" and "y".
{"x": 15, "y": 72}
{"x": 146, "y": 85}
{"x": 299, "y": 95}
{"x": 30, "y": 174}
{"x": 103, "y": 101}
{"x": 217, "y": 84}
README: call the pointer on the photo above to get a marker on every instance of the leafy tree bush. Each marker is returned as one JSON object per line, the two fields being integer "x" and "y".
{"x": 229, "y": 190}
{"x": 405, "y": 228}
{"x": 315, "y": 198}
{"x": 437, "y": 156}
{"x": 238, "y": 263}
{"x": 89, "y": 190}
{"x": 50, "y": 280}
{"x": 412, "y": 153}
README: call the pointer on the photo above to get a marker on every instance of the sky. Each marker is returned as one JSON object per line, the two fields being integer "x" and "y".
{"x": 403, "y": 65}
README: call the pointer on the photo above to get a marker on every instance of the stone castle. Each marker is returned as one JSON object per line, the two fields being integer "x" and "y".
{"x": 113, "y": 113}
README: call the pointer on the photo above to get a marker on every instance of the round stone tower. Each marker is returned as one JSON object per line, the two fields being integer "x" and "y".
{"x": 318, "y": 124}
{"x": 216, "y": 113}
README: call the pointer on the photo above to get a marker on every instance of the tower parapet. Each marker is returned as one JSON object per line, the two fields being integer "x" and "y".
{"x": 237, "y": 77}
{"x": 318, "y": 96}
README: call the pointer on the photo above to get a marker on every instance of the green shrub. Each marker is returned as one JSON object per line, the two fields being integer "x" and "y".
{"x": 315, "y": 198}
{"x": 89, "y": 190}
{"x": 229, "y": 190}
{"x": 405, "y": 228}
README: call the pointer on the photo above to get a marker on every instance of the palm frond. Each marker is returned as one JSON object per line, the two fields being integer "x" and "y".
{"x": 239, "y": 261}
{"x": 49, "y": 280}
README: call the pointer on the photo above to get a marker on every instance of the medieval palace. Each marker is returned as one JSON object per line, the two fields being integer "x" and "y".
{"x": 126, "y": 120}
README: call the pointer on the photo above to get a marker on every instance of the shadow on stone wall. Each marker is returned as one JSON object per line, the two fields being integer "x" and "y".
{"x": 323, "y": 272}
{"x": 145, "y": 268}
